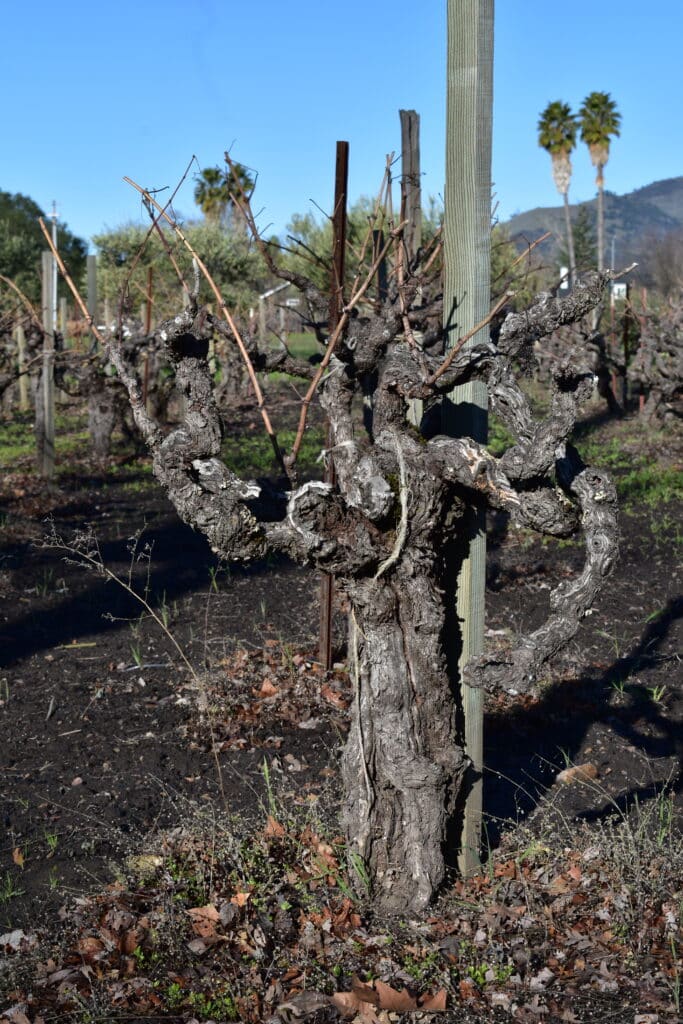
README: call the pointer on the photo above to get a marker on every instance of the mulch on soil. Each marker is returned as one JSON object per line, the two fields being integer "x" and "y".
{"x": 110, "y": 748}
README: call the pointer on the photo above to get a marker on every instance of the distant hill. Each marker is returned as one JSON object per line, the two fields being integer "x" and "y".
{"x": 632, "y": 220}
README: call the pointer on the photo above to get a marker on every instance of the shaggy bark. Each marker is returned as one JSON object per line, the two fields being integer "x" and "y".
{"x": 658, "y": 365}
{"x": 390, "y": 530}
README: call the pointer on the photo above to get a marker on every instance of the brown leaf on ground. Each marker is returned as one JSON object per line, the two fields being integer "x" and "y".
{"x": 350, "y": 1005}
{"x": 268, "y": 689}
{"x": 578, "y": 773}
{"x": 204, "y": 921}
{"x": 89, "y": 947}
{"x": 467, "y": 990}
{"x": 334, "y": 698}
{"x": 392, "y": 999}
{"x": 131, "y": 940}
{"x": 435, "y": 1003}
{"x": 18, "y": 857}
{"x": 304, "y": 1003}
{"x": 273, "y": 829}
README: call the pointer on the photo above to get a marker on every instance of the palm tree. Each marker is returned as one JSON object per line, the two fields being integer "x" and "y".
{"x": 214, "y": 192}
{"x": 599, "y": 119}
{"x": 557, "y": 128}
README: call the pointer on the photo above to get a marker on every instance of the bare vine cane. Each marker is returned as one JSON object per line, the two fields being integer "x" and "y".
{"x": 260, "y": 400}
{"x": 154, "y": 226}
{"x": 357, "y": 290}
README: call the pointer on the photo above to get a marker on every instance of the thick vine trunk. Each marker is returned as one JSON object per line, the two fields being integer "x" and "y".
{"x": 403, "y": 764}
{"x": 102, "y": 405}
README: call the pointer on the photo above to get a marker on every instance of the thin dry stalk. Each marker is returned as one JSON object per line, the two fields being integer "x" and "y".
{"x": 153, "y": 225}
{"x": 96, "y": 562}
{"x": 260, "y": 401}
{"x": 26, "y": 302}
{"x": 466, "y": 337}
{"x": 129, "y": 379}
{"x": 333, "y": 341}
{"x": 90, "y": 320}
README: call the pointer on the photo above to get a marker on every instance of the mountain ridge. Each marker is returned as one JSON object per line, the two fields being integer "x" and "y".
{"x": 632, "y": 222}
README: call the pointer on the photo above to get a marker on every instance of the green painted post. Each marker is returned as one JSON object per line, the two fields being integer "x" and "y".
{"x": 46, "y": 395}
{"x": 467, "y": 296}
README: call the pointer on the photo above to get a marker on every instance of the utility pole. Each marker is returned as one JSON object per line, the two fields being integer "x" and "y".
{"x": 467, "y": 300}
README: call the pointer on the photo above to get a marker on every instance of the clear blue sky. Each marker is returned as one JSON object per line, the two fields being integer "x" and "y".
{"x": 92, "y": 91}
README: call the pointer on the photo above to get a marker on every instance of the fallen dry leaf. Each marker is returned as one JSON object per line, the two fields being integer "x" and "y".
{"x": 273, "y": 829}
{"x": 131, "y": 940}
{"x": 435, "y": 1003}
{"x": 18, "y": 857}
{"x": 89, "y": 947}
{"x": 578, "y": 773}
{"x": 350, "y": 1006}
{"x": 334, "y": 698}
{"x": 392, "y": 999}
{"x": 204, "y": 920}
{"x": 304, "y": 1003}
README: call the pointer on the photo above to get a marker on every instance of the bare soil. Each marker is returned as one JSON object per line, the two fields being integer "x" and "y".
{"x": 108, "y": 738}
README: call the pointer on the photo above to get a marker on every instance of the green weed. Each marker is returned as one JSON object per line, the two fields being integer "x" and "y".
{"x": 254, "y": 455}
{"x": 9, "y": 888}
{"x": 217, "y": 1006}
{"x": 650, "y": 485}
{"x": 500, "y": 438}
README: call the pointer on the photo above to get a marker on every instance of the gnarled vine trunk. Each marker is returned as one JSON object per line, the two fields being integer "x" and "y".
{"x": 391, "y": 530}
{"x": 403, "y": 764}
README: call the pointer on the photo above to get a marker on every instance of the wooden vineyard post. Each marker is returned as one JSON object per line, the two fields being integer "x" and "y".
{"x": 336, "y": 305}
{"x": 467, "y": 290}
{"x": 45, "y": 437}
{"x": 92, "y": 293}
{"x": 411, "y": 191}
{"x": 411, "y": 208}
{"x": 21, "y": 360}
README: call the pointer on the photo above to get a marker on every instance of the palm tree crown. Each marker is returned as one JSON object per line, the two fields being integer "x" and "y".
{"x": 214, "y": 190}
{"x": 599, "y": 120}
{"x": 557, "y": 129}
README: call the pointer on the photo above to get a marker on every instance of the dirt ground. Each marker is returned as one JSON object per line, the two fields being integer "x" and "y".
{"x": 108, "y": 737}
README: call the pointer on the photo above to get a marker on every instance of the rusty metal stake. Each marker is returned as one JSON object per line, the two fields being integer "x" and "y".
{"x": 336, "y": 305}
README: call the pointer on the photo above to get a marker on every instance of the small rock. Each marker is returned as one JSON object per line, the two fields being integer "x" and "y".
{"x": 310, "y": 723}
{"x": 541, "y": 981}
